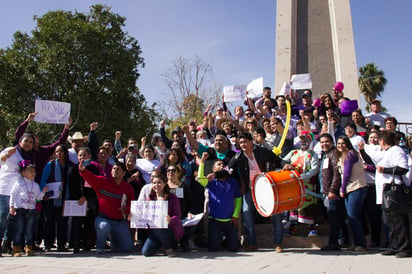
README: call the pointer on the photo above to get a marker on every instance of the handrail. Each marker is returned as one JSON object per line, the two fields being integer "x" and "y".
{"x": 405, "y": 127}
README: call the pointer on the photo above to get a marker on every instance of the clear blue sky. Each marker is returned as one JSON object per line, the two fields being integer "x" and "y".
{"x": 237, "y": 37}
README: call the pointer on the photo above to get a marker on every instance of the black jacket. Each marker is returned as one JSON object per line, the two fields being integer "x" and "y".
{"x": 266, "y": 160}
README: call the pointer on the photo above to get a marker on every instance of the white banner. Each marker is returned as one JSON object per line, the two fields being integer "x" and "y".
{"x": 301, "y": 81}
{"x": 255, "y": 88}
{"x": 234, "y": 93}
{"x": 52, "y": 112}
{"x": 151, "y": 214}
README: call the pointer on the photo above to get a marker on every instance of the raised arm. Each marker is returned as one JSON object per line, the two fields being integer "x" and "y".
{"x": 192, "y": 141}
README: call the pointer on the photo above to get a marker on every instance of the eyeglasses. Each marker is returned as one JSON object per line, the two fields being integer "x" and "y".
{"x": 249, "y": 114}
{"x": 171, "y": 170}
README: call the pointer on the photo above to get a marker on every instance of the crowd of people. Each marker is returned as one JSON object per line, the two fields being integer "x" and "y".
{"x": 342, "y": 157}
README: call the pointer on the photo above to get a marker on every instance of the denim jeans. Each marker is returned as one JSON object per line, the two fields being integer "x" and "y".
{"x": 336, "y": 218}
{"x": 248, "y": 215}
{"x": 4, "y": 210}
{"x": 277, "y": 228}
{"x": 248, "y": 210}
{"x": 354, "y": 203}
{"x": 23, "y": 226}
{"x": 157, "y": 238}
{"x": 216, "y": 228}
{"x": 118, "y": 231}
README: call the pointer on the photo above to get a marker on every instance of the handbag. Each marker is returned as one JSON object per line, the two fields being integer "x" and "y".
{"x": 397, "y": 197}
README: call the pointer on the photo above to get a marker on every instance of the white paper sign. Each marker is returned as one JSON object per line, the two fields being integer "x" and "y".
{"x": 255, "y": 88}
{"x": 234, "y": 93}
{"x": 55, "y": 188}
{"x": 285, "y": 89}
{"x": 148, "y": 214}
{"x": 301, "y": 81}
{"x": 52, "y": 112}
{"x": 72, "y": 208}
{"x": 192, "y": 221}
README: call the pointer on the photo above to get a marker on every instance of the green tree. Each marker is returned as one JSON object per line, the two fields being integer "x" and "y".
{"x": 371, "y": 82}
{"x": 82, "y": 58}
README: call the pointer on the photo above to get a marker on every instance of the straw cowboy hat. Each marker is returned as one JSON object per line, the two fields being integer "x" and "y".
{"x": 77, "y": 136}
{"x": 220, "y": 123}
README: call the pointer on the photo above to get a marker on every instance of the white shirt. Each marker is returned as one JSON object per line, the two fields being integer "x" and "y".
{"x": 377, "y": 118}
{"x": 10, "y": 171}
{"x": 392, "y": 157}
{"x": 24, "y": 194}
{"x": 73, "y": 156}
{"x": 376, "y": 154}
{"x": 355, "y": 140}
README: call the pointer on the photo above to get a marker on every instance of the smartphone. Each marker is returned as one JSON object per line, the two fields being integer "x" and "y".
{"x": 86, "y": 163}
{"x": 49, "y": 193}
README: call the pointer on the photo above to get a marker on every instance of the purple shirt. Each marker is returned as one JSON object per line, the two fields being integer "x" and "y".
{"x": 43, "y": 154}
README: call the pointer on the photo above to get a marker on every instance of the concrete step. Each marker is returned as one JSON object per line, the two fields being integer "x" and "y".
{"x": 265, "y": 237}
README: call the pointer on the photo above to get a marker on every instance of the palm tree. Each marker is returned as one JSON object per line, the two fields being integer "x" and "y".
{"x": 371, "y": 82}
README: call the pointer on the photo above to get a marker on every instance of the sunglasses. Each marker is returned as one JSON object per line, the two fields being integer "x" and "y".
{"x": 172, "y": 170}
{"x": 249, "y": 114}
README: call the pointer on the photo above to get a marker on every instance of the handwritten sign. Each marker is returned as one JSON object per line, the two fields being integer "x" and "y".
{"x": 255, "y": 88}
{"x": 234, "y": 93}
{"x": 301, "y": 81}
{"x": 149, "y": 214}
{"x": 52, "y": 112}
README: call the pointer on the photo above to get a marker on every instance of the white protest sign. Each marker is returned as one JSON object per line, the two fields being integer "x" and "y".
{"x": 148, "y": 214}
{"x": 301, "y": 81}
{"x": 234, "y": 93}
{"x": 285, "y": 89}
{"x": 255, "y": 88}
{"x": 52, "y": 112}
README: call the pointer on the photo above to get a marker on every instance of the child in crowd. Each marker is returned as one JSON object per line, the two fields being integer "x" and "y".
{"x": 224, "y": 205}
{"x": 24, "y": 194}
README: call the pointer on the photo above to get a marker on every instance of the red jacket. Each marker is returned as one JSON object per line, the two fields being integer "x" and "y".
{"x": 109, "y": 194}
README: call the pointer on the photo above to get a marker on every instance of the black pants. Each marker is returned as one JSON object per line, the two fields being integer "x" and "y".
{"x": 398, "y": 226}
{"x": 54, "y": 217}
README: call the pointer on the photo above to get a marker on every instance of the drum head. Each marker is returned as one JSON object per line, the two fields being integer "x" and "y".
{"x": 264, "y": 195}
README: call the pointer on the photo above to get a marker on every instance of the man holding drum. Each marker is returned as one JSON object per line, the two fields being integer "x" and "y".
{"x": 246, "y": 164}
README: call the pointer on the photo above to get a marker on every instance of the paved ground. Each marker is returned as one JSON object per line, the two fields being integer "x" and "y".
{"x": 202, "y": 261}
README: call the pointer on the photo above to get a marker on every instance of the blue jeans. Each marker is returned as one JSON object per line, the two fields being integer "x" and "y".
{"x": 118, "y": 231}
{"x": 157, "y": 238}
{"x": 216, "y": 228}
{"x": 277, "y": 228}
{"x": 4, "y": 210}
{"x": 248, "y": 210}
{"x": 354, "y": 203}
{"x": 23, "y": 226}
{"x": 248, "y": 215}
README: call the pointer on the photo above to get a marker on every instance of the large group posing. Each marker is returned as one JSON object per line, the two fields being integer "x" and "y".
{"x": 343, "y": 160}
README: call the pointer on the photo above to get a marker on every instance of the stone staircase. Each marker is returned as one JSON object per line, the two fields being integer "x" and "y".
{"x": 265, "y": 238}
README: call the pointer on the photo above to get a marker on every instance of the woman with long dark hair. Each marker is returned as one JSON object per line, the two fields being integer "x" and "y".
{"x": 161, "y": 237}
{"x": 353, "y": 188}
{"x": 57, "y": 171}
{"x": 9, "y": 161}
